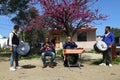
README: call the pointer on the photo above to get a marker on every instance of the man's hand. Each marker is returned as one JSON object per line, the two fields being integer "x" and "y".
{"x": 110, "y": 46}
{"x": 11, "y": 48}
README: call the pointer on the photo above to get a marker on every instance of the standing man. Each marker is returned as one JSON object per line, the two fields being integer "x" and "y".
{"x": 13, "y": 43}
{"x": 109, "y": 40}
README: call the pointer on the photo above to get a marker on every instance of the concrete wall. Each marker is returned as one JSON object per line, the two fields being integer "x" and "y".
{"x": 86, "y": 45}
{"x": 91, "y": 36}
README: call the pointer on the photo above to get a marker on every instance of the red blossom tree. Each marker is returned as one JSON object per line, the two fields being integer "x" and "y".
{"x": 68, "y": 15}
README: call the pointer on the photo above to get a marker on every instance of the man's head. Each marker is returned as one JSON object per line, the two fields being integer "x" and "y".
{"x": 69, "y": 39}
{"x": 107, "y": 29}
{"x": 47, "y": 40}
{"x": 16, "y": 28}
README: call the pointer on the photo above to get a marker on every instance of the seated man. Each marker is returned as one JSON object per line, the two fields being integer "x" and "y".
{"x": 47, "y": 50}
{"x": 70, "y": 45}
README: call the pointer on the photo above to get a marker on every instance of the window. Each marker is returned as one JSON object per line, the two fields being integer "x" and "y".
{"x": 82, "y": 36}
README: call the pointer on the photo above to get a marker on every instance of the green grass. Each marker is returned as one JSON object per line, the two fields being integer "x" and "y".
{"x": 30, "y": 56}
{"x": 116, "y": 61}
{"x": 5, "y": 52}
{"x": 34, "y": 53}
{"x": 91, "y": 51}
{"x": 59, "y": 52}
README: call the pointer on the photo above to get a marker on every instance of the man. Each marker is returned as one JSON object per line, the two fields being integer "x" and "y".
{"x": 47, "y": 50}
{"x": 109, "y": 40}
{"x": 13, "y": 43}
{"x": 70, "y": 45}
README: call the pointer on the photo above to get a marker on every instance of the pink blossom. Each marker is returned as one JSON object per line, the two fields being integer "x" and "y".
{"x": 65, "y": 14}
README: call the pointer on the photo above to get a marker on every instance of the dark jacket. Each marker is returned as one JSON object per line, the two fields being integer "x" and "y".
{"x": 70, "y": 45}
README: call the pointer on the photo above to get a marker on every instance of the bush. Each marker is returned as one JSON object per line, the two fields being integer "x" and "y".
{"x": 5, "y": 52}
{"x": 34, "y": 53}
{"x": 91, "y": 51}
{"x": 117, "y": 60}
{"x": 59, "y": 52}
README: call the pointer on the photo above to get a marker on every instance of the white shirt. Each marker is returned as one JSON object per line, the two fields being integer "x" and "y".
{"x": 107, "y": 34}
{"x": 10, "y": 38}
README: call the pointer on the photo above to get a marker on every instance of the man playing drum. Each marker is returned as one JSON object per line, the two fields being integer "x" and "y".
{"x": 108, "y": 38}
{"x": 13, "y": 43}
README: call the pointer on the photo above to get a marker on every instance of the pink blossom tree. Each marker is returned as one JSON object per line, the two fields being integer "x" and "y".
{"x": 68, "y": 15}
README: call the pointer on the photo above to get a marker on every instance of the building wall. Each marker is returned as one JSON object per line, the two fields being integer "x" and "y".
{"x": 3, "y": 42}
{"x": 91, "y": 36}
{"x": 89, "y": 45}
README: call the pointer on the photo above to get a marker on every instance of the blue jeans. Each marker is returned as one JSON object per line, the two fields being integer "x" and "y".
{"x": 14, "y": 56}
{"x": 109, "y": 52}
{"x": 48, "y": 53}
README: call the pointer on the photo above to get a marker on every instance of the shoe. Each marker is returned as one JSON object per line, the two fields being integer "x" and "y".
{"x": 12, "y": 69}
{"x": 18, "y": 67}
{"x": 51, "y": 65}
{"x": 44, "y": 66}
{"x": 110, "y": 65}
{"x": 102, "y": 64}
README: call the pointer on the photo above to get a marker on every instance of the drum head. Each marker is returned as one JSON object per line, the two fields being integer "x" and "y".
{"x": 96, "y": 49}
{"x": 102, "y": 46}
{"x": 23, "y": 49}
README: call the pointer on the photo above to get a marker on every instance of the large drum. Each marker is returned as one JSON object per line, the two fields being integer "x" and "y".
{"x": 100, "y": 46}
{"x": 23, "y": 49}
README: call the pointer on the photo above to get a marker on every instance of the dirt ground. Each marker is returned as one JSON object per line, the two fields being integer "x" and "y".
{"x": 32, "y": 70}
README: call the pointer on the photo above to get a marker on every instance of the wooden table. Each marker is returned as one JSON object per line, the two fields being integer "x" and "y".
{"x": 73, "y": 51}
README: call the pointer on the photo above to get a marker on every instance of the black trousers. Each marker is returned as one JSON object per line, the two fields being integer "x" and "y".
{"x": 109, "y": 53}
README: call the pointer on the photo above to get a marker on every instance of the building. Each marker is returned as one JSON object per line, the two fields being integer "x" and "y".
{"x": 3, "y": 42}
{"x": 85, "y": 38}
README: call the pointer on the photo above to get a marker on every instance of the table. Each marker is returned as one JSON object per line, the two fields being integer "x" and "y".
{"x": 73, "y": 51}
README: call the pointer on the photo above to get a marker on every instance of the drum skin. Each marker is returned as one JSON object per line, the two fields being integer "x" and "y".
{"x": 23, "y": 49}
{"x": 96, "y": 49}
{"x": 100, "y": 46}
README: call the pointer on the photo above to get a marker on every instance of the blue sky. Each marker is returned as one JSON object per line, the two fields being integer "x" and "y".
{"x": 108, "y": 7}
{"x": 112, "y": 9}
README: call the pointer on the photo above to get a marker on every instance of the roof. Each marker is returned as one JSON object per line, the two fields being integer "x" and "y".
{"x": 83, "y": 29}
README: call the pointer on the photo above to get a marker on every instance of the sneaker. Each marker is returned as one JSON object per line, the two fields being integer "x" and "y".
{"x": 12, "y": 69}
{"x": 51, "y": 65}
{"x": 18, "y": 67}
{"x": 44, "y": 66}
{"x": 110, "y": 65}
{"x": 102, "y": 64}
